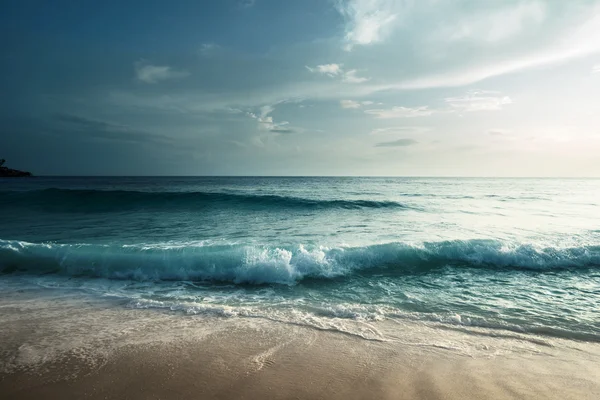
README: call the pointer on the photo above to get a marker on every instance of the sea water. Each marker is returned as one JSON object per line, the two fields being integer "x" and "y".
{"x": 504, "y": 255}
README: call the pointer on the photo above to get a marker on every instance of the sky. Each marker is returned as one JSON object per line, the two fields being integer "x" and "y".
{"x": 301, "y": 87}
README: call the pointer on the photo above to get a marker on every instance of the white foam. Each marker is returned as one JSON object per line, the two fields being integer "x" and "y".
{"x": 272, "y": 264}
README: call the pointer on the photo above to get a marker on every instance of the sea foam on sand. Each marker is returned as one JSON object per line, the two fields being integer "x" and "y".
{"x": 65, "y": 346}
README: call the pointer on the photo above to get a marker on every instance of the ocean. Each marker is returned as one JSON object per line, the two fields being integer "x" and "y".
{"x": 362, "y": 256}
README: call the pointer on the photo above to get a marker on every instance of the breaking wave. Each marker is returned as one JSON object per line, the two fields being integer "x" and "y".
{"x": 254, "y": 264}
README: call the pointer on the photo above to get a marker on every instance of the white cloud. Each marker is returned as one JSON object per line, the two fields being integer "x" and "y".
{"x": 349, "y": 104}
{"x": 351, "y": 77}
{"x": 596, "y": 69}
{"x": 354, "y": 104}
{"x": 266, "y": 110}
{"x": 478, "y": 101}
{"x": 401, "y": 112}
{"x": 496, "y": 26}
{"x": 149, "y": 73}
{"x": 266, "y": 122}
{"x": 583, "y": 40}
{"x": 327, "y": 69}
{"x": 267, "y": 126}
{"x": 452, "y": 75}
{"x": 367, "y": 21}
{"x": 337, "y": 70}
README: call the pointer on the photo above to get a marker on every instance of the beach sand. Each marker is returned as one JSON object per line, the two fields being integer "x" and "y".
{"x": 73, "y": 349}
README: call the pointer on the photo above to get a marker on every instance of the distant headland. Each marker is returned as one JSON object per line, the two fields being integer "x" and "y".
{"x": 11, "y": 173}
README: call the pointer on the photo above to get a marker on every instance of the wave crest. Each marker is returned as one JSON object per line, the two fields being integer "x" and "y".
{"x": 284, "y": 265}
{"x": 69, "y": 200}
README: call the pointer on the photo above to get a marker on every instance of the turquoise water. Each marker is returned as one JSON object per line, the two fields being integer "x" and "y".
{"x": 520, "y": 255}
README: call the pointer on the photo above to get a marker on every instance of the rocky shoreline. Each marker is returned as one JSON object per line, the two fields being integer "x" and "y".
{"x": 12, "y": 173}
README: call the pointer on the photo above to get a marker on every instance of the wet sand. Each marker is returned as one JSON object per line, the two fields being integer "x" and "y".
{"x": 76, "y": 350}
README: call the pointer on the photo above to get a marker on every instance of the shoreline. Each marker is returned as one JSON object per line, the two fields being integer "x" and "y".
{"x": 250, "y": 364}
{"x": 58, "y": 345}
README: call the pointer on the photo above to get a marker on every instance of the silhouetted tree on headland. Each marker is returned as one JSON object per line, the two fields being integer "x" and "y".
{"x": 11, "y": 173}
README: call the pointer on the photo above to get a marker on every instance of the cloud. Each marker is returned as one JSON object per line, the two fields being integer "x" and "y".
{"x": 96, "y": 129}
{"x": 367, "y": 21}
{"x": 349, "y": 104}
{"x": 400, "y": 129}
{"x": 351, "y": 77}
{"x": 86, "y": 122}
{"x": 332, "y": 87}
{"x": 401, "y": 112}
{"x": 327, "y": 69}
{"x": 267, "y": 126}
{"x": 478, "y": 101}
{"x": 282, "y": 130}
{"x": 194, "y": 102}
{"x": 266, "y": 122}
{"x": 149, "y": 73}
{"x": 337, "y": 70}
{"x": 582, "y": 40}
{"x": 596, "y": 69}
{"x": 206, "y": 49}
{"x": 398, "y": 143}
{"x": 355, "y": 104}
{"x": 495, "y": 26}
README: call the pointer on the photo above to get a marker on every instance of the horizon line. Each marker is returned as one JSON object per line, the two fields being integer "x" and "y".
{"x": 321, "y": 176}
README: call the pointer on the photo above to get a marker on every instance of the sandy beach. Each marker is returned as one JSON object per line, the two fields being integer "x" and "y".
{"x": 62, "y": 347}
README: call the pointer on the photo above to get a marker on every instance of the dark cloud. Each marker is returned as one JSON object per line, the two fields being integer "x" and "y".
{"x": 282, "y": 130}
{"x": 68, "y": 124}
{"x": 85, "y": 122}
{"x": 398, "y": 143}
